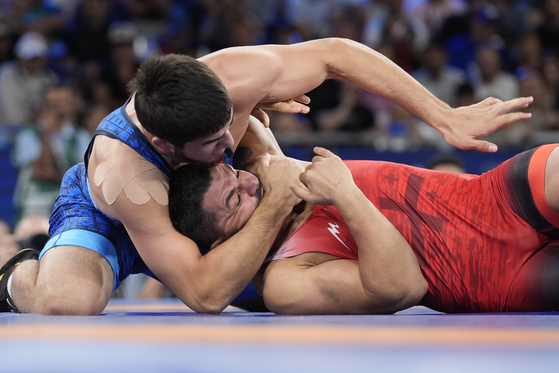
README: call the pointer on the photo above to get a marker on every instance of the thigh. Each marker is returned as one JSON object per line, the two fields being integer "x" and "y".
{"x": 552, "y": 180}
{"x": 75, "y": 278}
{"x": 536, "y": 287}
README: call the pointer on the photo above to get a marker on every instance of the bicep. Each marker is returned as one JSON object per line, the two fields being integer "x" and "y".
{"x": 331, "y": 287}
{"x": 269, "y": 73}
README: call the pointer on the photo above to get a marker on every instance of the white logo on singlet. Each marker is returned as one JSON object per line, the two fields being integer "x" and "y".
{"x": 334, "y": 230}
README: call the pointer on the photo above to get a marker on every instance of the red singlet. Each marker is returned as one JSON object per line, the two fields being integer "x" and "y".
{"x": 471, "y": 234}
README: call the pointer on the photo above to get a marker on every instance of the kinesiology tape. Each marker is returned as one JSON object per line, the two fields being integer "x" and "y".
{"x": 122, "y": 170}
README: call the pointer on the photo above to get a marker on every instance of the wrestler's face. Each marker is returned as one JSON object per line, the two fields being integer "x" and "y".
{"x": 233, "y": 196}
{"x": 208, "y": 150}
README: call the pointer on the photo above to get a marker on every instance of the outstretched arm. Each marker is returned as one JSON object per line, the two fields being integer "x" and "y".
{"x": 272, "y": 73}
{"x": 385, "y": 279}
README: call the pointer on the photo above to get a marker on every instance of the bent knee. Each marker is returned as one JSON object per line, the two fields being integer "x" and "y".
{"x": 78, "y": 304}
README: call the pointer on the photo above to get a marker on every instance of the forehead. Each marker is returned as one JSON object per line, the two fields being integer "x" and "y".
{"x": 221, "y": 174}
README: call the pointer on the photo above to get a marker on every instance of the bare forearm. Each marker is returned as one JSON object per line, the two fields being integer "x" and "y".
{"x": 372, "y": 71}
{"x": 227, "y": 269}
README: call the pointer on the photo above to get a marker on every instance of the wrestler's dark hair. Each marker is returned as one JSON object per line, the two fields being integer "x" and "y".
{"x": 187, "y": 186}
{"x": 439, "y": 159}
{"x": 179, "y": 98}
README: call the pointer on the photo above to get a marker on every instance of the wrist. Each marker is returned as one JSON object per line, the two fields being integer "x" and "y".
{"x": 350, "y": 198}
{"x": 438, "y": 116}
{"x": 274, "y": 203}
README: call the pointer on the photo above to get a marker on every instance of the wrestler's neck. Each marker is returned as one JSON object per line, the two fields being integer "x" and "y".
{"x": 298, "y": 216}
{"x": 171, "y": 161}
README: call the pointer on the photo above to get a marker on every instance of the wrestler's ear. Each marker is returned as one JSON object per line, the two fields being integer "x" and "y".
{"x": 164, "y": 147}
{"x": 218, "y": 242}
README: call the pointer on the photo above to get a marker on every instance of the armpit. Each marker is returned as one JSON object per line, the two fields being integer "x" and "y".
{"x": 125, "y": 171}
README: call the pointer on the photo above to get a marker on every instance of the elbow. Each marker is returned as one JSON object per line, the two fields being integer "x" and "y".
{"x": 205, "y": 302}
{"x": 398, "y": 297}
{"x": 210, "y": 307}
{"x": 412, "y": 294}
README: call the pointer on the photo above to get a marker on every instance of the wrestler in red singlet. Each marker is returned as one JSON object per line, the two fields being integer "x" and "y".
{"x": 484, "y": 243}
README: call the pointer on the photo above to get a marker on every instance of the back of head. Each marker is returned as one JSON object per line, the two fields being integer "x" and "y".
{"x": 187, "y": 186}
{"x": 446, "y": 163}
{"x": 179, "y": 99}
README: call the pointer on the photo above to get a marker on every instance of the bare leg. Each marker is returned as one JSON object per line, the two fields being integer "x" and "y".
{"x": 69, "y": 280}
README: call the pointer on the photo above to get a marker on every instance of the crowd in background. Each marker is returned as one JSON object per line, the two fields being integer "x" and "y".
{"x": 461, "y": 50}
{"x": 64, "y": 65}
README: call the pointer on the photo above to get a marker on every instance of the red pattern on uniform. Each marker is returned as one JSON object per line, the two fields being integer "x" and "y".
{"x": 469, "y": 243}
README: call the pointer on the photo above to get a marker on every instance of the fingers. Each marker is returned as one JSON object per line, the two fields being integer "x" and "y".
{"x": 296, "y": 105}
{"x": 304, "y": 99}
{"x": 299, "y": 108}
{"x": 261, "y": 116}
{"x": 265, "y": 159}
{"x": 484, "y": 146}
{"x": 517, "y": 103}
{"x": 323, "y": 152}
{"x": 513, "y": 117}
{"x": 301, "y": 192}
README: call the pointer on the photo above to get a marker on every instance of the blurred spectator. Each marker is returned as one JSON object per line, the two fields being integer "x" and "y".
{"x": 529, "y": 56}
{"x": 123, "y": 62}
{"x": 446, "y": 163}
{"x": 23, "y": 82}
{"x": 146, "y": 11}
{"x": 464, "y": 95}
{"x": 514, "y": 19}
{"x": 87, "y": 33}
{"x": 228, "y": 23}
{"x": 549, "y": 30}
{"x": 308, "y": 16}
{"x": 349, "y": 115}
{"x": 6, "y": 42}
{"x": 550, "y": 74}
{"x": 433, "y": 13}
{"x": 390, "y": 25}
{"x": 494, "y": 82}
{"x": 32, "y": 231}
{"x": 437, "y": 76}
{"x": 104, "y": 85}
{"x": 35, "y": 15}
{"x": 348, "y": 22}
{"x": 482, "y": 31}
{"x": 44, "y": 151}
{"x": 544, "y": 115}
{"x": 400, "y": 134}
{"x": 8, "y": 244}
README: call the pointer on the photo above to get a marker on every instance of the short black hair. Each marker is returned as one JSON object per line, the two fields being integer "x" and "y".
{"x": 439, "y": 159}
{"x": 179, "y": 98}
{"x": 187, "y": 186}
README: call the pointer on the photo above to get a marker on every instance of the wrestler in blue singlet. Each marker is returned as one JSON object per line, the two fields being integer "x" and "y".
{"x": 76, "y": 220}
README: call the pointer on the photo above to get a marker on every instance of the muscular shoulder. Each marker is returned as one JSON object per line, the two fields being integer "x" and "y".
{"x": 236, "y": 67}
{"x": 117, "y": 172}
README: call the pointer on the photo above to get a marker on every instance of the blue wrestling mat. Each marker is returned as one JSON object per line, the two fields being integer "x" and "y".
{"x": 165, "y": 336}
